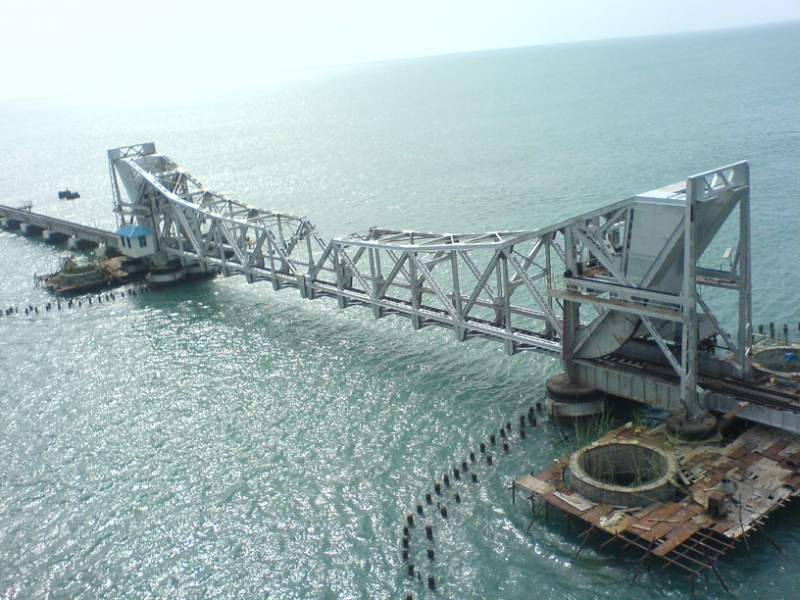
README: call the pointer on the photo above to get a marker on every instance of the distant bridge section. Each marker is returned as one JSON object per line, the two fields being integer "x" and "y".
{"x": 15, "y": 218}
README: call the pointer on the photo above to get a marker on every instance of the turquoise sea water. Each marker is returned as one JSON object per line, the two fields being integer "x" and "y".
{"x": 221, "y": 440}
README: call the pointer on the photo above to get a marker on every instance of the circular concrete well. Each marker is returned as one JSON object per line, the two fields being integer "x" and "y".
{"x": 780, "y": 361}
{"x": 623, "y": 473}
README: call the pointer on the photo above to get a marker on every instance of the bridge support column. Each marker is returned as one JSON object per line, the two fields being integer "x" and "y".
{"x": 343, "y": 279}
{"x": 10, "y": 224}
{"x": 569, "y": 401}
{"x": 31, "y": 230}
{"x": 79, "y": 244}
{"x": 571, "y": 310}
{"x": 416, "y": 294}
{"x": 377, "y": 282}
{"x": 302, "y": 286}
{"x": 689, "y": 394}
{"x": 745, "y": 334}
{"x": 54, "y": 237}
{"x": 458, "y": 328}
{"x": 571, "y": 320}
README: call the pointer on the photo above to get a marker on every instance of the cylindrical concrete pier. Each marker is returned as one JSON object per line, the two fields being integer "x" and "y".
{"x": 569, "y": 401}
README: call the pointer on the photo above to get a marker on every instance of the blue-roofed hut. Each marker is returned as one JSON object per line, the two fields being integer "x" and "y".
{"x": 135, "y": 241}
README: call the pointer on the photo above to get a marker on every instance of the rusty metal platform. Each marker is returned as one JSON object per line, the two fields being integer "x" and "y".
{"x": 762, "y": 465}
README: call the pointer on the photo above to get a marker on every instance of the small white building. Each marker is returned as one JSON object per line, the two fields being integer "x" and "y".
{"x": 135, "y": 241}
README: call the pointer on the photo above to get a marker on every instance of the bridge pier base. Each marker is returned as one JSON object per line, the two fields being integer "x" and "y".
{"x": 54, "y": 237}
{"x": 31, "y": 230}
{"x": 303, "y": 287}
{"x": 197, "y": 270}
{"x": 166, "y": 275}
{"x": 10, "y": 224}
{"x": 79, "y": 244}
{"x": 569, "y": 401}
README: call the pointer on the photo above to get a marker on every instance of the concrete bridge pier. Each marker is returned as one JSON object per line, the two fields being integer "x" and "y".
{"x": 568, "y": 401}
{"x": 76, "y": 243}
{"x": 31, "y": 230}
{"x": 54, "y": 237}
{"x": 10, "y": 224}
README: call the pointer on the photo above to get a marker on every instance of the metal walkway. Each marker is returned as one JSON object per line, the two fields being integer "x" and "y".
{"x": 624, "y": 280}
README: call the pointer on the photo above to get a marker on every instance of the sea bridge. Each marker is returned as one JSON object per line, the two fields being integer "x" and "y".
{"x": 616, "y": 293}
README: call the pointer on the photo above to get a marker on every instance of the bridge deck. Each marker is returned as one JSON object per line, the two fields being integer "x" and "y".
{"x": 658, "y": 385}
{"x": 75, "y": 230}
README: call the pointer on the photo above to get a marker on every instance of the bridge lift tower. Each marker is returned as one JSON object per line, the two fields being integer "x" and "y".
{"x": 616, "y": 293}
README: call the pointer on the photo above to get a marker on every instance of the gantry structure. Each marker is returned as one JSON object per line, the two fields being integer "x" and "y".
{"x": 617, "y": 293}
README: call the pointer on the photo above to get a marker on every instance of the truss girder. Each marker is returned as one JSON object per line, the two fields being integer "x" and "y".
{"x": 473, "y": 283}
{"x": 454, "y": 297}
{"x": 537, "y": 295}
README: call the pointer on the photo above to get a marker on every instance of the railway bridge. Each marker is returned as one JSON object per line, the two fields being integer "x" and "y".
{"x": 618, "y": 294}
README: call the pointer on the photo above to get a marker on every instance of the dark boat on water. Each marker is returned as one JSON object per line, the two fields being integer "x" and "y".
{"x": 68, "y": 195}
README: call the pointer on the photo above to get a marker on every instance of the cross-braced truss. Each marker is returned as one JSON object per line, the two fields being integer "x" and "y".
{"x": 578, "y": 289}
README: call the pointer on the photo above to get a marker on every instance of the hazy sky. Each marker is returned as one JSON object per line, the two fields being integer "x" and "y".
{"x": 50, "y": 47}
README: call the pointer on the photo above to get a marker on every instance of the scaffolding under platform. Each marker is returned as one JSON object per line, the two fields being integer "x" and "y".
{"x": 724, "y": 492}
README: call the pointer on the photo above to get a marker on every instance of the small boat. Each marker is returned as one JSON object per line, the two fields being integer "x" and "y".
{"x": 68, "y": 195}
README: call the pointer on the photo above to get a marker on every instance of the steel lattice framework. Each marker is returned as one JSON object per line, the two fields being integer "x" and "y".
{"x": 579, "y": 289}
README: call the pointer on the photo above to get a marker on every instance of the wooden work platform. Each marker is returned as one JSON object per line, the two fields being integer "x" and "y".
{"x": 761, "y": 466}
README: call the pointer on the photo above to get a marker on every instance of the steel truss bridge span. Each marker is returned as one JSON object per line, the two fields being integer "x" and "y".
{"x": 580, "y": 289}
